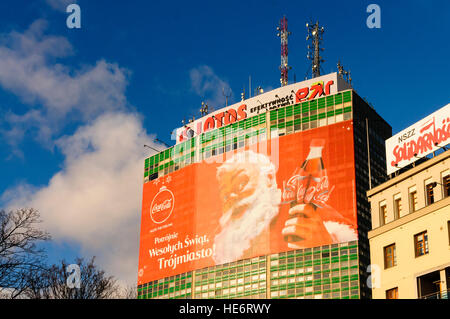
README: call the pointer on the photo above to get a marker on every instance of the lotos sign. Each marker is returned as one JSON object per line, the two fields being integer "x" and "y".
{"x": 217, "y": 120}
{"x": 284, "y": 96}
{"x": 418, "y": 140}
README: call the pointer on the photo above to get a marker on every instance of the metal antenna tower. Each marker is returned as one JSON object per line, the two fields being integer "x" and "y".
{"x": 283, "y": 33}
{"x": 315, "y": 33}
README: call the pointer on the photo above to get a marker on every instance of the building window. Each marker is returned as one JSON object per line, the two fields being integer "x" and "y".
{"x": 397, "y": 207}
{"x": 430, "y": 193}
{"x": 421, "y": 244}
{"x": 446, "y": 185}
{"x": 383, "y": 214}
{"x": 413, "y": 200}
{"x": 392, "y": 293}
{"x": 448, "y": 229}
{"x": 389, "y": 256}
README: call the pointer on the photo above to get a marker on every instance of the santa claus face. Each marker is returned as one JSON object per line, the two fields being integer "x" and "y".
{"x": 236, "y": 183}
{"x": 250, "y": 199}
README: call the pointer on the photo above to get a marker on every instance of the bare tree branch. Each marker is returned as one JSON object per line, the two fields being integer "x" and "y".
{"x": 23, "y": 273}
{"x": 53, "y": 283}
{"x": 19, "y": 254}
{"x": 130, "y": 292}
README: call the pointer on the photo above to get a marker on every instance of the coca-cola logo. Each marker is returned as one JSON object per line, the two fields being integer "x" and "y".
{"x": 162, "y": 206}
{"x": 315, "y": 191}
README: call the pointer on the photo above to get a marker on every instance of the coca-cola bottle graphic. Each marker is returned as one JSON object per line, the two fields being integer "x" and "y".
{"x": 308, "y": 186}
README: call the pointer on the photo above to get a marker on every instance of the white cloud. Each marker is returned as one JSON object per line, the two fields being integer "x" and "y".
{"x": 60, "y": 5}
{"x": 210, "y": 86}
{"x": 95, "y": 200}
{"x": 30, "y": 67}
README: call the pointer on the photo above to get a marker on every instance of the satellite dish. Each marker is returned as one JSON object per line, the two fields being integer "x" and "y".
{"x": 190, "y": 133}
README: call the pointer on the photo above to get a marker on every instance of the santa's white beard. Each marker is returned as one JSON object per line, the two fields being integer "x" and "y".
{"x": 236, "y": 235}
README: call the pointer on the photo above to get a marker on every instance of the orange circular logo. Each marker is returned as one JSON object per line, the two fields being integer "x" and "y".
{"x": 162, "y": 205}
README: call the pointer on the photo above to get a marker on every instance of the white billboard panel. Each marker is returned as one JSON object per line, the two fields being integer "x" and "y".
{"x": 418, "y": 140}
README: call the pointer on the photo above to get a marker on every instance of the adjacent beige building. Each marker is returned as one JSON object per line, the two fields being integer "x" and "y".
{"x": 410, "y": 236}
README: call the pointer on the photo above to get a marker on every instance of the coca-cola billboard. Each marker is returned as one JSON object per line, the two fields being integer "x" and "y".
{"x": 418, "y": 140}
{"x": 251, "y": 202}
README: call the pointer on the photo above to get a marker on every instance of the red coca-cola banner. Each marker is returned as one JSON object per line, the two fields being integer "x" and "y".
{"x": 250, "y": 202}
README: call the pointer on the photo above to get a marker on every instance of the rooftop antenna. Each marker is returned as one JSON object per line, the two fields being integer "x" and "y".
{"x": 346, "y": 75}
{"x": 258, "y": 90}
{"x": 315, "y": 33}
{"x": 162, "y": 142}
{"x": 340, "y": 69}
{"x": 188, "y": 122}
{"x": 204, "y": 109}
{"x": 283, "y": 33}
{"x": 226, "y": 96}
{"x": 145, "y": 145}
{"x": 243, "y": 94}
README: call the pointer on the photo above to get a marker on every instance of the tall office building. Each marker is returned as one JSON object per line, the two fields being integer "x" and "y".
{"x": 265, "y": 198}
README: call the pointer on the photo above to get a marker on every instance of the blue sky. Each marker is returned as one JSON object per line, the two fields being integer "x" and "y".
{"x": 155, "y": 62}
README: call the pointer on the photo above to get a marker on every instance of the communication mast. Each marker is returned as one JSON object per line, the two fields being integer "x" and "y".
{"x": 283, "y": 33}
{"x": 315, "y": 33}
